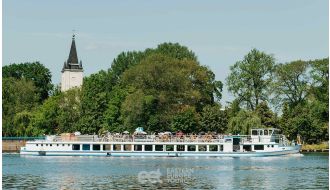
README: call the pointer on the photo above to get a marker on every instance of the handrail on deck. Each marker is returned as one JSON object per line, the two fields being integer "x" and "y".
{"x": 24, "y": 138}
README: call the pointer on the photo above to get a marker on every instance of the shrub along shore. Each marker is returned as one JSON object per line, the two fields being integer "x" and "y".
{"x": 322, "y": 147}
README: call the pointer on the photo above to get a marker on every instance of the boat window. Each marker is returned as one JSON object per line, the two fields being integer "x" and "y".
{"x": 58, "y": 145}
{"x": 169, "y": 147}
{"x": 268, "y": 146}
{"x": 227, "y": 140}
{"x": 261, "y": 132}
{"x": 254, "y": 132}
{"x": 272, "y": 146}
{"x": 266, "y": 132}
{"x": 202, "y": 148}
{"x": 37, "y": 145}
{"x": 221, "y": 148}
{"x": 50, "y": 145}
{"x": 138, "y": 147}
{"x": 213, "y": 148}
{"x": 96, "y": 147}
{"x": 191, "y": 147}
{"x": 247, "y": 148}
{"x": 180, "y": 147}
{"x": 76, "y": 147}
{"x": 42, "y": 144}
{"x": 46, "y": 144}
{"x": 62, "y": 144}
{"x": 270, "y": 132}
{"x": 116, "y": 147}
{"x": 258, "y": 147}
{"x": 127, "y": 147}
{"x": 68, "y": 144}
{"x": 159, "y": 148}
{"x": 148, "y": 147}
{"x": 86, "y": 147}
{"x": 106, "y": 147}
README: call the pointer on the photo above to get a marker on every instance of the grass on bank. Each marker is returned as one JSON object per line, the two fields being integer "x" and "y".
{"x": 321, "y": 146}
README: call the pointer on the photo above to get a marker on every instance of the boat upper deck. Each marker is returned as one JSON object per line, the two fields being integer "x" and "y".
{"x": 166, "y": 138}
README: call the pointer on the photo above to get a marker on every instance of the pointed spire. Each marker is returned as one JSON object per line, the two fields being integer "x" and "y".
{"x": 73, "y": 58}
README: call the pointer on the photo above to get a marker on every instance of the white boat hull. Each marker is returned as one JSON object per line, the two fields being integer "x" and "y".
{"x": 287, "y": 150}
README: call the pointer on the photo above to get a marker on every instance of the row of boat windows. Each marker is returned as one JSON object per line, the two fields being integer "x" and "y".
{"x": 147, "y": 147}
{"x": 51, "y": 144}
{"x": 139, "y": 147}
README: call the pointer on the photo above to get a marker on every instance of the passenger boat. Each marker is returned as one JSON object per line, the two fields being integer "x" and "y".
{"x": 260, "y": 142}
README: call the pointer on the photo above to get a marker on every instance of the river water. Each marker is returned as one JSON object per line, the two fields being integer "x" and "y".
{"x": 300, "y": 171}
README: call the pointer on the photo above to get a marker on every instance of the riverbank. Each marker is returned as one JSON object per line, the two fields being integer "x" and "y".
{"x": 323, "y": 147}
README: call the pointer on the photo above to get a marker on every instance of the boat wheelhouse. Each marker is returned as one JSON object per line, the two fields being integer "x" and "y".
{"x": 261, "y": 142}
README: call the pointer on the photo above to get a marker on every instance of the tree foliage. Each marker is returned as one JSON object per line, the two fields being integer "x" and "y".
{"x": 291, "y": 82}
{"x": 243, "y": 122}
{"x": 214, "y": 119}
{"x": 167, "y": 89}
{"x": 164, "y": 86}
{"x": 17, "y": 96}
{"x": 250, "y": 78}
{"x": 35, "y": 72}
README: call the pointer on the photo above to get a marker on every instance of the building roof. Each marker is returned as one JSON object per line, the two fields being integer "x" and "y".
{"x": 72, "y": 62}
{"x": 73, "y": 58}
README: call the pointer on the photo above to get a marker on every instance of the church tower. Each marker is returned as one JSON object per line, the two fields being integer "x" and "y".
{"x": 72, "y": 72}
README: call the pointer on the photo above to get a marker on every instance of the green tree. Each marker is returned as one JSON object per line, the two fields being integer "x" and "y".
{"x": 36, "y": 72}
{"x": 45, "y": 118}
{"x": 112, "y": 115}
{"x": 171, "y": 84}
{"x": 126, "y": 60}
{"x": 69, "y": 111}
{"x": 17, "y": 96}
{"x": 267, "y": 117}
{"x": 250, "y": 78}
{"x": 186, "y": 120}
{"x": 214, "y": 119}
{"x": 94, "y": 101}
{"x": 291, "y": 82}
{"x": 243, "y": 122}
{"x": 320, "y": 85}
{"x": 306, "y": 121}
{"x": 21, "y": 123}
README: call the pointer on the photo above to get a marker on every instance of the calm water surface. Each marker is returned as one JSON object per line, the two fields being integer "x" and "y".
{"x": 308, "y": 171}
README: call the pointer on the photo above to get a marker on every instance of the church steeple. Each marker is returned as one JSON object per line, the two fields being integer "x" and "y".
{"x": 73, "y": 58}
{"x": 72, "y": 63}
{"x": 72, "y": 72}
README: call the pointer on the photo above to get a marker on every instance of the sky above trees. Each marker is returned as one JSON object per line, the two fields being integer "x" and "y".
{"x": 219, "y": 32}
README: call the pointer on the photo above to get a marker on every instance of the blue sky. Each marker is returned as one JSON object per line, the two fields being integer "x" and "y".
{"x": 219, "y": 32}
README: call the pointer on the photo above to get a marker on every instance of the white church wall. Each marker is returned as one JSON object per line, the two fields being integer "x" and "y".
{"x": 71, "y": 79}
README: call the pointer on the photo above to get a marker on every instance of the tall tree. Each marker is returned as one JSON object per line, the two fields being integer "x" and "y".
{"x": 291, "y": 82}
{"x": 250, "y": 78}
{"x": 186, "y": 120}
{"x": 171, "y": 84}
{"x": 267, "y": 117}
{"x": 36, "y": 72}
{"x": 213, "y": 119}
{"x": 17, "y": 96}
{"x": 243, "y": 122}
{"x": 94, "y": 101}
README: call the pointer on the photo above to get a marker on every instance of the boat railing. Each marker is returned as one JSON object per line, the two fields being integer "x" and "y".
{"x": 172, "y": 138}
{"x": 143, "y": 138}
